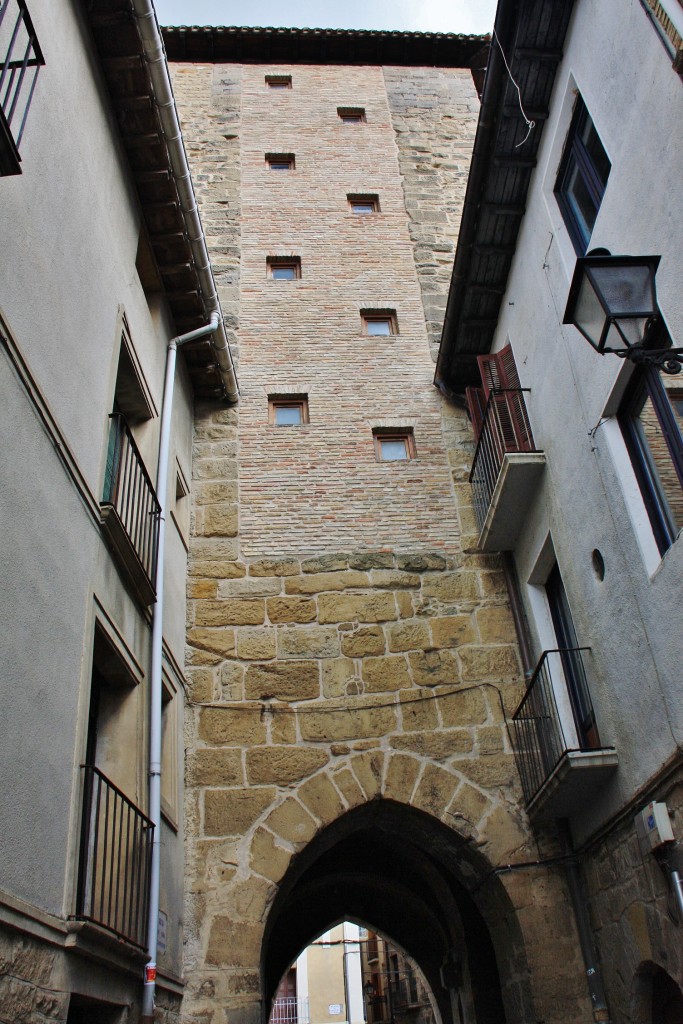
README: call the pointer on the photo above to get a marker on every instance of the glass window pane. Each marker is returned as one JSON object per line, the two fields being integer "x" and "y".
{"x": 363, "y": 207}
{"x": 379, "y": 326}
{"x": 580, "y": 200}
{"x": 596, "y": 152}
{"x": 283, "y": 273}
{"x": 659, "y": 463}
{"x": 287, "y": 415}
{"x": 393, "y": 449}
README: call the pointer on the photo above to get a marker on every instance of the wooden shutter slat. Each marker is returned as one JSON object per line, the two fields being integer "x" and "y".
{"x": 476, "y": 406}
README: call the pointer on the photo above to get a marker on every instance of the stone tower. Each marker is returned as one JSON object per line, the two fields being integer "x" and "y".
{"x": 351, "y": 657}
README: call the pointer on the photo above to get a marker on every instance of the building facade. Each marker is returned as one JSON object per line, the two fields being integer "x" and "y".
{"x": 578, "y": 474}
{"x": 89, "y": 298}
{"x": 351, "y": 655}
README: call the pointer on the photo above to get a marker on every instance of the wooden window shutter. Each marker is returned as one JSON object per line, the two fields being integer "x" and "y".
{"x": 476, "y": 405}
{"x": 500, "y": 380}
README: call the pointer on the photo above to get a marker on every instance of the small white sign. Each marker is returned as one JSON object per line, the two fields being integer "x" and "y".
{"x": 161, "y": 935}
{"x": 334, "y": 1009}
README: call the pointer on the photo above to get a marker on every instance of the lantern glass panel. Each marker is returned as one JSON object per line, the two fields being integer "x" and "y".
{"x": 589, "y": 316}
{"x": 626, "y": 289}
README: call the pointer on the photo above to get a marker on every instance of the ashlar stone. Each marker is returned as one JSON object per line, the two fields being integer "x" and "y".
{"x": 340, "y": 722}
{"x": 291, "y": 609}
{"x": 308, "y": 642}
{"x": 232, "y": 812}
{"x": 292, "y": 822}
{"x": 256, "y": 644}
{"x": 231, "y": 726}
{"x": 317, "y": 583}
{"x": 287, "y": 681}
{"x": 409, "y": 635}
{"x": 234, "y": 612}
{"x": 385, "y": 674}
{"x": 266, "y": 857}
{"x": 321, "y": 798}
{"x": 356, "y": 608}
{"x": 282, "y": 766}
{"x": 433, "y": 668}
{"x": 364, "y": 641}
{"x": 210, "y": 767}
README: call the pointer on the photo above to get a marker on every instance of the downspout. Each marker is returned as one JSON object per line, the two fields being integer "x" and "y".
{"x": 155, "y": 56}
{"x": 154, "y": 809}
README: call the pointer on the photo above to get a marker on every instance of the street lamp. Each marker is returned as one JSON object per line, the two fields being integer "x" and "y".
{"x": 613, "y": 303}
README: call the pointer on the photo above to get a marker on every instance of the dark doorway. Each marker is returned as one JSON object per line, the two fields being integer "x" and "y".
{"x": 667, "y": 999}
{"x": 572, "y": 666}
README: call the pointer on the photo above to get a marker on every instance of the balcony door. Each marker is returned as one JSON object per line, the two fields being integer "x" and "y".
{"x": 572, "y": 666}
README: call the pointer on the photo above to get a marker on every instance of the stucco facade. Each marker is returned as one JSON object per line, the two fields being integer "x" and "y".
{"x": 586, "y": 513}
{"x": 83, "y": 330}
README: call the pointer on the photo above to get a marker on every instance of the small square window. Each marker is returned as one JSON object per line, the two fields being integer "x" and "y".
{"x": 351, "y": 115}
{"x": 378, "y": 323}
{"x": 363, "y": 204}
{"x": 279, "y": 81}
{"x": 280, "y": 161}
{"x": 582, "y": 178}
{"x": 394, "y": 445}
{"x": 288, "y": 410}
{"x": 283, "y": 268}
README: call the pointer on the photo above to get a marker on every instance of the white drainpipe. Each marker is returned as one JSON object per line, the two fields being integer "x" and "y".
{"x": 155, "y": 57}
{"x": 155, "y": 710}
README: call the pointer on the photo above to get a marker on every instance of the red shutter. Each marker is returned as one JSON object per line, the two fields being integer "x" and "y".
{"x": 476, "y": 404}
{"x": 500, "y": 379}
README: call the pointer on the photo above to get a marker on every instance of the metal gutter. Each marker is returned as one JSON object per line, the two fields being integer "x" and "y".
{"x": 155, "y": 58}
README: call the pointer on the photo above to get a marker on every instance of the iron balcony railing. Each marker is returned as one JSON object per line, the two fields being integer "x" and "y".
{"x": 20, "y": 62}
{"x": 129, "y": 492}
{"x": 505, "y": 429}
{"x": 538, "y": 735}
{"x": 290, "y": 1010}
{"x": 116, "y": 850}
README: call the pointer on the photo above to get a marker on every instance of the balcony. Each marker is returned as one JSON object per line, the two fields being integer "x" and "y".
{"x": 130, "y": 511}
{"x": 20, "y": 63}
{"x": 506, "y": 469}
{"x": 560, "y": 765}
{"x": 116, "y": 849}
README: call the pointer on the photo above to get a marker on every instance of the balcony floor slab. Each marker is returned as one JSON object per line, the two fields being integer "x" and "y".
{"x": 516, "y": 483}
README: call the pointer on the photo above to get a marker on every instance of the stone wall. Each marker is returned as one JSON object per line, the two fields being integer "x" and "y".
{"x": 29, "y": 990}
{"x": 345, "y": 643}
{"x": 434, "y": 114}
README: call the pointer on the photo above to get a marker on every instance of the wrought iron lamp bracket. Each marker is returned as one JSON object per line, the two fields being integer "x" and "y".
{"x": 668, "y": 360}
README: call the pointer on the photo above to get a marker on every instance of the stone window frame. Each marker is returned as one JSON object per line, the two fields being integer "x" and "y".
{"x": 289, "y": 262}
{"x": 404, "y": 434}
{"x": 278, "y": 81}
{"x": 352, "y": 115}
{"x": 288, "y": 401}
{"x": 368, "y": 198}
{"x": 272, "y": 159}
{"x": 371, "y": 315}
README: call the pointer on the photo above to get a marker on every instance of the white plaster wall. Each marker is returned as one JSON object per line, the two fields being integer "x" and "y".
{"x": 69, "y": 229}
{"x": 587, "y": 499}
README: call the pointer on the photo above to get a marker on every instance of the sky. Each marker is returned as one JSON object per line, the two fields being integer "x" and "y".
{"x": 460, "y": 16}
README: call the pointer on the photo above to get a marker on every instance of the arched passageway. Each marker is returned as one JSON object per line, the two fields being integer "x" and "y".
{"x": 401, "y": 872}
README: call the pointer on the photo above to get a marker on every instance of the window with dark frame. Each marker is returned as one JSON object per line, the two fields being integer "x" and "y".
{"x": 363, "y": 204}
{"x": 280, "y": 161}
{"x": 394, "y": 444}
{"x": 651, "y": 420}
{"x": 287, "y": 410}
{"x": 379, "y": 323}
{"x": 279, "y": 81}
{"x": 582, "y": 178}
{"x": 283, "y": 268}
{"x": 351, "y": 115}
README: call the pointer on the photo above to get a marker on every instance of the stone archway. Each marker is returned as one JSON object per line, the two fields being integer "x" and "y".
{"x": 402, "y": 871}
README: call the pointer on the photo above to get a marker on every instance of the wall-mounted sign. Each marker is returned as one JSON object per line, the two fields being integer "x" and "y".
{"x": 161, "y": 936}
{"x": 334, "y": 1009}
